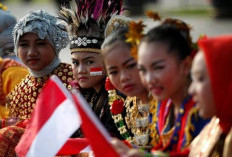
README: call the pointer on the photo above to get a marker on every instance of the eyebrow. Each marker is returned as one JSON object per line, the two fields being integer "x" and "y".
{"x": 72, "y": 58}
{"x": 26, "y": 40}
{"x": 124, "y": 63}
{"x": 157, "y": 62}
{"x": 88, "y": 58}
{"x": 128, "y": 60}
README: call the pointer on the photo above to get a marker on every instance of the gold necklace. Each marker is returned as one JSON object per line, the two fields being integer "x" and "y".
{"x": 137, "y": 119}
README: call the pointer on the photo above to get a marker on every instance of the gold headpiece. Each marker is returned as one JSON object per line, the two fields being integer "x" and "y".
{"x": 116, "y": 22}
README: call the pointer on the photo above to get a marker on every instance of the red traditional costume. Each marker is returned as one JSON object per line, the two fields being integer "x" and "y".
{"x": 22, "y": 99}
{"x": 218, "y": 56}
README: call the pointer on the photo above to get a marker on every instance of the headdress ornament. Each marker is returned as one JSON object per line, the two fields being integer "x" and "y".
{"x": 87, "y": 21}
{"x": 181, "y": 25}
{"x": 136, "y": 33}
{"x": 45, "y": 26}
{"x": 117, "y": 22}
{"x": 3, "y": 7}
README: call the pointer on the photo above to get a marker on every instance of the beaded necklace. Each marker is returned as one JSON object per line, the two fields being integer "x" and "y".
{"x": 138, "y": 117}
{"x": 137, "y": 120}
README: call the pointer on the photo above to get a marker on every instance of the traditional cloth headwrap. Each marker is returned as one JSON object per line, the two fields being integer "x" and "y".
{"x": 86, "y": 23}
{"x": 218, "y": 56}
{"x": 7, "y": 24}
{"x": 45, "y": 26}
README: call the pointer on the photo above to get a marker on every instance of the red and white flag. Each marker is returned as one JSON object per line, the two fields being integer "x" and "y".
{"x": 56, "y": 116}
{"x": 96, "y": 71}
{"x": 54, "y": 120}
{"x": 93, "y": 130}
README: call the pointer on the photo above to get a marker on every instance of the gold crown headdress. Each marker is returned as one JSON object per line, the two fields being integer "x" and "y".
{"x": 86, "y": 23}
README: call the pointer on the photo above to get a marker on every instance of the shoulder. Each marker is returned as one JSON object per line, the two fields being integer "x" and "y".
{"x": 64, "y": 72}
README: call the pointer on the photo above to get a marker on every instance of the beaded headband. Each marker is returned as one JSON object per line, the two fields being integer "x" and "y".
{"x": 86, "y": 23}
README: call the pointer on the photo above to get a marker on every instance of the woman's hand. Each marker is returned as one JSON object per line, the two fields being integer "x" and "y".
{"x": 124, "y": 150}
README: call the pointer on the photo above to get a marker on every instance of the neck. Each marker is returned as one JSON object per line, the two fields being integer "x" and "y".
{"x": 47, "y": 70}
{"x": 99, "y": 85}
{"x": 179, "y": 97}
{"x": 144, "y": 97}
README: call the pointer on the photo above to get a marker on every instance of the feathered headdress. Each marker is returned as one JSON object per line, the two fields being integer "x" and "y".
{"x": 87, "y": 21}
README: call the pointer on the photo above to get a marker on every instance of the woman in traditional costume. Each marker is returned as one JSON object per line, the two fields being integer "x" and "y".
{"x": 132, "y": 115}
{"x": 211, "y": 89}
{"x": 38, "y": 39}
{"x": 12, "y": 72}
{"x": 164, "y": 62}
{"x": 86, "y": 24}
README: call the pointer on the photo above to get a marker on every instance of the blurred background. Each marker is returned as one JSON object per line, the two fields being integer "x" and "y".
{"x": 209, "y": 17}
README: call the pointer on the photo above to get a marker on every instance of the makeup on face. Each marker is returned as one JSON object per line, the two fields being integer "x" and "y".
{"x": 98, "y": 71}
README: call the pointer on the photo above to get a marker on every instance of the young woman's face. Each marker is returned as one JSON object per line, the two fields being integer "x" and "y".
{"x": 163, "y": 74}
{"x": 88, "y": 69}
{"x": 201, "y": 87}
{"x": 34, "y": 52}
{"x": 122, "y": 69}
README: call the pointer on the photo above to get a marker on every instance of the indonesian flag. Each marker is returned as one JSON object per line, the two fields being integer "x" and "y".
{"x": 96, "y": 71}
{"x": 54, "y": 120}
{"x": 57, "y": 115}
{"x": 93, "y": 130}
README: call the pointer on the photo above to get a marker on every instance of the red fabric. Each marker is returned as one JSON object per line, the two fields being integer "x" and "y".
{"x": 218, "y": 55}
{"x": 73, "y": 146}
{"x": 92, "y": 130}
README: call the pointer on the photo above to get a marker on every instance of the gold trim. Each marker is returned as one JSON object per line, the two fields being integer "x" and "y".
{"x": 85, "y": 50}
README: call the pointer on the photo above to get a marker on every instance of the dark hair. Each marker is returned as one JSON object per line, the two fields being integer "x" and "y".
{"x": 177, "y": 38}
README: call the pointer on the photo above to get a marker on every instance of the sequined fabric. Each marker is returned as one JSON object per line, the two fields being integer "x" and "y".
{"x": 21, "y": 100}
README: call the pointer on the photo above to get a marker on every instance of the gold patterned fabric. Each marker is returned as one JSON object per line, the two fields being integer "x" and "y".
{"x": 21, "y": 100}
{"x": 9, "y": 138}
{"x": 210, "y": 142}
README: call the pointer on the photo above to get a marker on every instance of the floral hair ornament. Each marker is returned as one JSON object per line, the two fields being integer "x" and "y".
{"x": 134, "y": 36}
{"x": 86, "y": 23}
{"x": 195, "y": 47}
{"x": 3, "y": 7}
{"x": 135, "y": 33}
{"x": 153, "y": 15}
{"x": 116, "y": 103}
